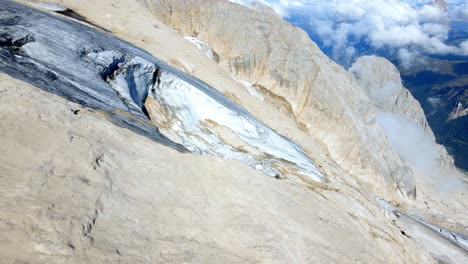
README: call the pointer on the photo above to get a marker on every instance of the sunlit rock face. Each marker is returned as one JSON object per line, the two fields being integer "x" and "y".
{"x": 404, "y": 123}
{"x": 381, "y": 81}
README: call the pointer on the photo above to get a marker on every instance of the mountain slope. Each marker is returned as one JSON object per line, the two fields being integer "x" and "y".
{"x": 80, "y": 189}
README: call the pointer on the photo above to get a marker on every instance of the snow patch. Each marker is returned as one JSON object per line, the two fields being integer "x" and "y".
{"x": 249, "y": 87}
{"x": 204, "y": 47}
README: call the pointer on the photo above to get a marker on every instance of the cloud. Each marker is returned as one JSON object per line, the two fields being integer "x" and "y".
{"x": 417, "y": 149}
{"x": 398, "y": 27}
{"x": 281, "y": 7}
{"x": 406, "y": 57}
{"x": 459, "y": 11}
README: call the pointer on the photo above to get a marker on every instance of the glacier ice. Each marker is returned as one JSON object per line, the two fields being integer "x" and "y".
{"x": 195, "y": 118}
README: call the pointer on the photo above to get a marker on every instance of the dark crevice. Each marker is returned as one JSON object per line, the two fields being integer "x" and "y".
{"x": 110, "y": 71}
{"x": 50, "y": 76}
{"x": 145, "y": 111}
{"x": 156, "y": 77}
{"x": 404, "y": 233}
{"x": 120, "y": 66}
{"x": 156, "y": 80}
{"x": 23, "y": 41}
{"x": 12, "y": 45}
{"x": 73, "y": 14}
{"x": 132, "y": 86}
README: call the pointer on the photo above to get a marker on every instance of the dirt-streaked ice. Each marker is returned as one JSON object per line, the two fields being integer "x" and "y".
{"x": 443, "y": 244}
{"x": 194, "y": 117}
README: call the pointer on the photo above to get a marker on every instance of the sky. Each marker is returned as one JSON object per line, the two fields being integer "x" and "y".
{"x": 403, "y": 28}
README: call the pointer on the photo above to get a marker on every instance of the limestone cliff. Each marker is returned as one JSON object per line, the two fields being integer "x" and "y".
{"x": 381, "y": 82}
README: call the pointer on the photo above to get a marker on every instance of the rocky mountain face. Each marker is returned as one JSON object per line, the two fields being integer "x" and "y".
{"x": 211, "y": 133}
{"x": 384, "y": 88}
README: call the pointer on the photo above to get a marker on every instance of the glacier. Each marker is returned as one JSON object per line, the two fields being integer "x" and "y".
{"x": 97, "y": 70}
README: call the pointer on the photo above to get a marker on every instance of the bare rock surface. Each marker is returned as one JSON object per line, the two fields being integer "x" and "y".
{"x": 382, "y": 83}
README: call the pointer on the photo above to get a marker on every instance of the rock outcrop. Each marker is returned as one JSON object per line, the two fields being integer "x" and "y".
{"x": 458, "y": 112}
{"x": 381, "y": 82}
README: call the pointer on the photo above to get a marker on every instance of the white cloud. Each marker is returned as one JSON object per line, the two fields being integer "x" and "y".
{"x": 406, "y": 57}
{"x": 464, "y": 47}
{"x": 416, "y": 149}
{"x": 435, "y": 29}
{"x": 405, "y": 26}
{"x": 459, "y": 11}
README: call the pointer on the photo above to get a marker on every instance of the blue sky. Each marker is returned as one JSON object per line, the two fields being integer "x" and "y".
{"x": 401, "y": 27}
